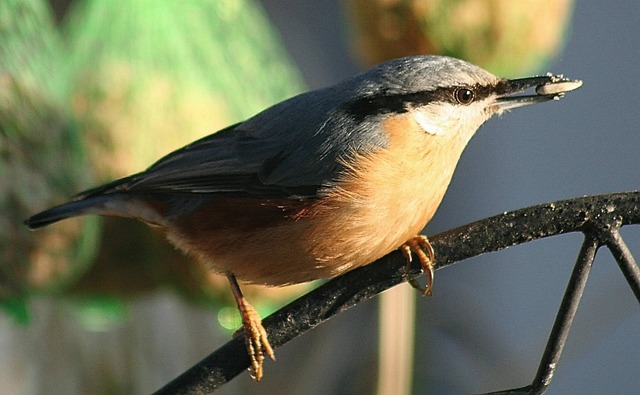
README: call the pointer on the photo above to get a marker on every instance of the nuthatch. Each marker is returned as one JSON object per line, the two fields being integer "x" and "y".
{"x": 321, "y": 183}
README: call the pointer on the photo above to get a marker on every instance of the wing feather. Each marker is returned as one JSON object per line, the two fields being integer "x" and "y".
{"x": 292, "y": 149}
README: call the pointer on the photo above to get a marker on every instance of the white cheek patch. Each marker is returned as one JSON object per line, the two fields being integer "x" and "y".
{"x": 439, "y": 119}
{"x": 430, "y": 123}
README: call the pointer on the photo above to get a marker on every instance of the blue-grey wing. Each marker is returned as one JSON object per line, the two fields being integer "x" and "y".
{"x": 292, "y": 149}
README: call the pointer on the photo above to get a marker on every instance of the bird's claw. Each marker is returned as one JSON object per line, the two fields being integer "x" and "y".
{"x": 256, "y": 340}
{"x": 418, "y": 245}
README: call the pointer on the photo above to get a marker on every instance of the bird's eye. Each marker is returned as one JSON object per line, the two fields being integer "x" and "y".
{"x": 464, "y": 95}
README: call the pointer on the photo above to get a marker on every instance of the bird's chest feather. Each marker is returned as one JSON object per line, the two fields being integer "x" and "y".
{"x": 385, "y": 197}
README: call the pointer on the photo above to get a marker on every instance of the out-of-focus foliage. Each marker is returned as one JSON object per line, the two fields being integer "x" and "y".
{"x": 504, "y": 36}
{"x": 41, "y": 158}
{"x": 146, "y": 77}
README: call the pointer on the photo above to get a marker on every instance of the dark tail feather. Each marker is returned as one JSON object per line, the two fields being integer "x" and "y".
{"x": 88, "y": 202}
{"x": 90, "y": 205}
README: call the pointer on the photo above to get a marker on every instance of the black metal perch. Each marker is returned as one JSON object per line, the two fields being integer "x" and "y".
{"x": 599, "y": 218}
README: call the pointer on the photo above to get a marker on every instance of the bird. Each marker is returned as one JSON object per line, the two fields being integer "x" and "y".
{"x": 320, "y": 183}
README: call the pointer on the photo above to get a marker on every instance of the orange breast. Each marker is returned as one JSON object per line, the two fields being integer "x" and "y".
{"x": 383, "y": 199}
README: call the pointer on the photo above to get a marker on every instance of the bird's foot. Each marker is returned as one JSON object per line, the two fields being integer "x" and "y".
{"x": 255, "y": 338}
{"x": 418, "y": 245}
{"x": 255, "y": 335}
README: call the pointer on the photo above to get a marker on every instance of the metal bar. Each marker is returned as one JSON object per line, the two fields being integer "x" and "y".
{"x": 566, "y": 313}
{"x": 625, "y": 260}
{"x": 564, "y": 319}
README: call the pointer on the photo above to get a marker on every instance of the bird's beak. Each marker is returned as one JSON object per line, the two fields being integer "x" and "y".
{"x": 548, "y": 87}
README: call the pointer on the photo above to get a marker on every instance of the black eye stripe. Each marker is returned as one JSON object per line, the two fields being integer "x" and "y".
{"x": 385, "y": 103}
